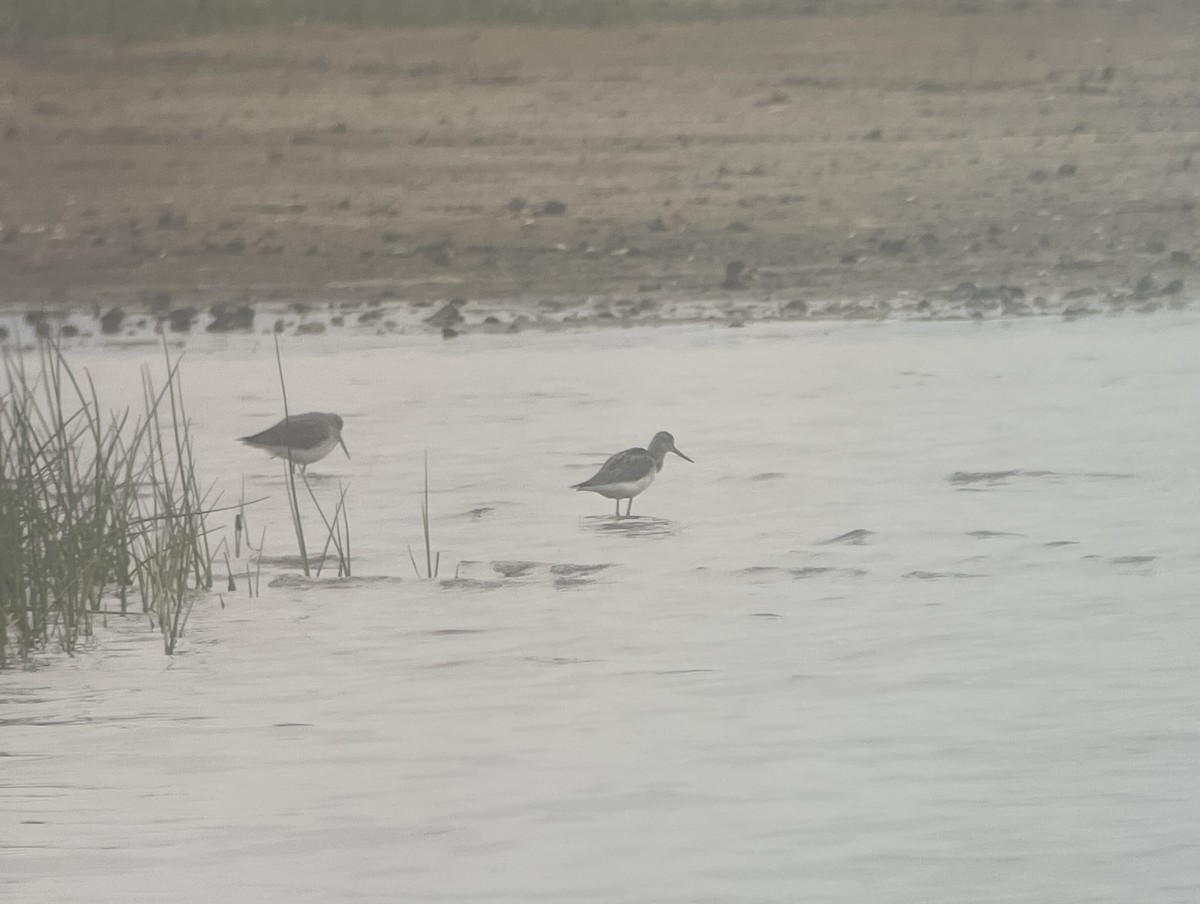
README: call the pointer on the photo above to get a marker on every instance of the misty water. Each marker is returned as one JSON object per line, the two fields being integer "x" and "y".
{"x": 920, "y": 624}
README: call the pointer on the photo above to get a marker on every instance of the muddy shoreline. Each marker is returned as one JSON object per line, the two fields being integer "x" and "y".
{"x": 946, "y": 160}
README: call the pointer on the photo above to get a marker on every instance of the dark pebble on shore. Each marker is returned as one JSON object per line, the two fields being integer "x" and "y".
{"x": 227, "y": 319}
{"x": 110, "y": 322}
{"x": 180, "y": 320}
{"x": 448, "y": 315}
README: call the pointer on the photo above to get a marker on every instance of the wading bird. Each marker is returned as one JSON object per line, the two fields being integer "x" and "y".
{"x": 628, "y": 473}
{"x": 307, "y": 437}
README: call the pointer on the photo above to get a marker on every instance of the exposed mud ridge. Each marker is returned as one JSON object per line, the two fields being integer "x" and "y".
{"x": 499, "y": 316}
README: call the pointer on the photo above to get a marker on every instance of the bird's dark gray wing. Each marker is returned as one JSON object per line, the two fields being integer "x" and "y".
{"x": 298, "y": 433}
{"x": 624, "y": 467}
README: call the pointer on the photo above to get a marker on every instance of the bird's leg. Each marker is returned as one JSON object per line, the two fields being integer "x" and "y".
{"x": 629, "y": 507}
{"x": 618, "y": 508}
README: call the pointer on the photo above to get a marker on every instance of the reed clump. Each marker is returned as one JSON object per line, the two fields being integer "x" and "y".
{"x": 100, "y": 515}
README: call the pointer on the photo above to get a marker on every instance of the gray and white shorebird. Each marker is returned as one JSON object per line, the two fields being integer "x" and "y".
{"x": 308, "y": 437}
{"x": 628, "y": 473}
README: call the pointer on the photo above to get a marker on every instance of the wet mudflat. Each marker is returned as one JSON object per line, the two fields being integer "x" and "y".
{"x": 918, "y": 624}
{"x": 861, "y": 156}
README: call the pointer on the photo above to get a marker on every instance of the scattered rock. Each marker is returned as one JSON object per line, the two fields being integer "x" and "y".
{"x": 551, "y": 209}
{"x": 964, "y": 291}
{"x": 874, "y": 135}
{"x": 1067, "y": 169}
{"x": 893, "y": 246}
{"x": 343, "y": 204}
{"x": 1174, "y": 287}
{"x": 231, "y": 319}
{"x": 1145, "y": 287}
{"x": 180, "y": 320}
{"x": 516, "y": 205}
{"x": 448, "y": 315}
{"x": 1038, "y": 175}
{"x": 1180, "y": 258}
{"x": 851, "y": 538}
{"x": 339, "y": 128}
{"x": 449, "y": 332}
{"x": 312, "y": 327}
{"x": 1012, "y": 308}
{"x": 110, "y": 322}
{"x": 797, "y": 307}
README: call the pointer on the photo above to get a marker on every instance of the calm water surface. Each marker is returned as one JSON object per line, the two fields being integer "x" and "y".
{"x": 919, "y": 625}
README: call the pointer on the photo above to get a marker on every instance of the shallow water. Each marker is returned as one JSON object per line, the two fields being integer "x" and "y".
{"x": 919, "y": 625}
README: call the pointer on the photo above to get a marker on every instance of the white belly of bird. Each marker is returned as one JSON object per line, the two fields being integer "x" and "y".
{"x": 624, "y": 490}
{"x": 305, "y": 456}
